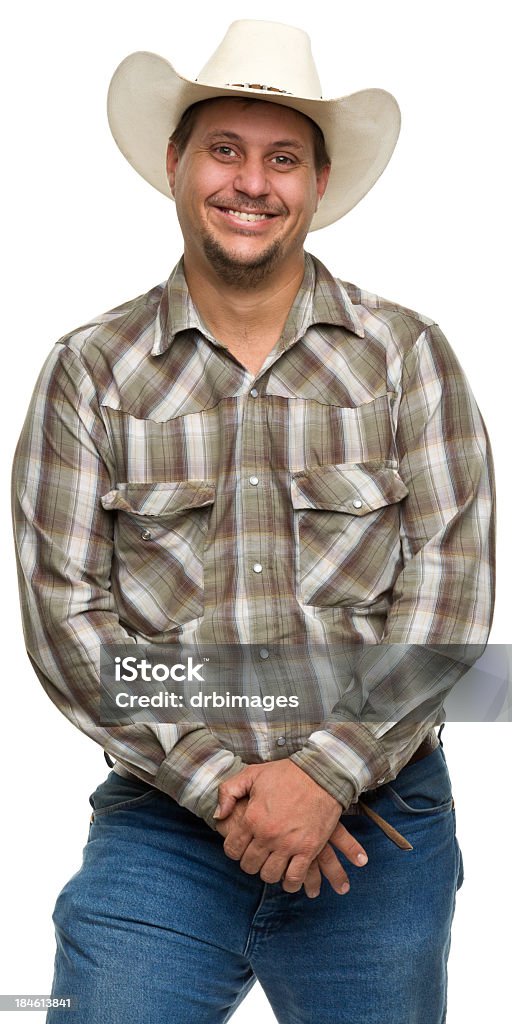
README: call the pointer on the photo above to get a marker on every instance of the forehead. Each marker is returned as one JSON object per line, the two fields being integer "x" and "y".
{"x": 242, "y": 116}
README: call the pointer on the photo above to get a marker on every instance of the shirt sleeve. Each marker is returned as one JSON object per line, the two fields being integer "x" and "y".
{"x": 64, "y": 546}
{"x": 442, "y": 600}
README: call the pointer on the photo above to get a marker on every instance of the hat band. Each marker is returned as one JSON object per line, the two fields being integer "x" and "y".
{"x": 254, "y": 85}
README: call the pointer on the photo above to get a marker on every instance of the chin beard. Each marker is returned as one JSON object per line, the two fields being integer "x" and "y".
{"x": 241, "y": 273}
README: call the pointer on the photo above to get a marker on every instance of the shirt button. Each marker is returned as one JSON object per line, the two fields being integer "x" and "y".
{"x": 281, "y": 741}
{"x": 264, "y": 653}
{"x": 357, "y": 504}
{"x": 380, "y": 781}
{"x": 253, "y": 392}
{"x": 257, "y": 567}
{"x": 146, "y": 535}
{"x": 254, "y": 480}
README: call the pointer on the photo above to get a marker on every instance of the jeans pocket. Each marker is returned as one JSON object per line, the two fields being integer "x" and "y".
{"x": 117, "y": 793}
{"x": 423, "y": 788}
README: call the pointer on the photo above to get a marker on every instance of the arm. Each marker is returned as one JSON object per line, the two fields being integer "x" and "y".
{"x": 437, "y": 625}
{"x": 442, "y": 600}
{"x": 64, "y": 548}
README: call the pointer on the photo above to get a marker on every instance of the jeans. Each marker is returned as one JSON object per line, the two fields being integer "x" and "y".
{"x": 159, "y": 927}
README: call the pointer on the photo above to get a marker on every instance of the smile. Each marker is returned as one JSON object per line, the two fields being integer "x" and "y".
{"x": 250, "y": 216}
{"x": 246, "y": 217}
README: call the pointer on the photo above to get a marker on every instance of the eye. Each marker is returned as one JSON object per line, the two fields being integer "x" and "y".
{"x": 226, "y": 151}
{"x": 282, "y": 160}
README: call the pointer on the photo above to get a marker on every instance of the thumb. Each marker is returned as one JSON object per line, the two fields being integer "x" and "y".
{"x": 231, "y": 791}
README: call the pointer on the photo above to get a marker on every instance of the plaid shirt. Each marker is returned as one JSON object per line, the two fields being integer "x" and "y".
{"x": 343, "y": 494}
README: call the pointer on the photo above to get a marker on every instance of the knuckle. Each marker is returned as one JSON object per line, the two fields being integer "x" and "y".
{"x": 232, "y": 850}
{"x": 296, "y": 872}
{"x": 308, "y": 849}
{"x": 352, "y": 846}
{"x": 326, "y": 856}
{"x": 267, "y": 875}
{"x": 294, "y": 877}
{"x": 267, "y": 834}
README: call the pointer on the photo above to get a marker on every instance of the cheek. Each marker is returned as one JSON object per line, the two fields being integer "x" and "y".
{"x": 303, "y": 203}
{"x": 207, "y": 180}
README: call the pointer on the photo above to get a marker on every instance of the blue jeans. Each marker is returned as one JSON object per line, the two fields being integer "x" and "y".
{"x": 159, "y": 927}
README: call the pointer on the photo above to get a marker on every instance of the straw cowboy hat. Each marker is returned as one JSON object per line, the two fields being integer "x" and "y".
{"x": 267, "y": 61}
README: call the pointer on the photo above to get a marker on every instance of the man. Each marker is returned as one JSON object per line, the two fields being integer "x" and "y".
{"x": 256, "y": 454}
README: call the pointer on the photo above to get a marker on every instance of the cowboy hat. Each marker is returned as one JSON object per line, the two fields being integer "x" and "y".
{"x": 267, "y": 61}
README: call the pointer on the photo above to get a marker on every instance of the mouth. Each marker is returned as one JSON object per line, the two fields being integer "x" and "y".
{"x": 246, "y": 217}
{"x": 249, "y": 217}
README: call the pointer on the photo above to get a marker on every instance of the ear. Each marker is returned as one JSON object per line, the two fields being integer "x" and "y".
{"x": 321, "y": 182}
{"x": 171, "y": 165}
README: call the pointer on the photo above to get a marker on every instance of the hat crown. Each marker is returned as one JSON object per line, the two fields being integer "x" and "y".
{"x": 265, "y": 55}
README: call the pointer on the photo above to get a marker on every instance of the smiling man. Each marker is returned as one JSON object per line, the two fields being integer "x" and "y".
{"x": 247, "y": 180}
{"x": 258, "y": 456}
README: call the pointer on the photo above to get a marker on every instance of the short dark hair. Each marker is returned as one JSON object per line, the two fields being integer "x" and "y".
{"x": 183, "y": 130}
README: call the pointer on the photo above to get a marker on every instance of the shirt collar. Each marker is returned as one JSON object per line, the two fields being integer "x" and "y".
{"x": 321, "y": 299}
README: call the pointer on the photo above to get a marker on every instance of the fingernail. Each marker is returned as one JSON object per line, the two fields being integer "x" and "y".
{"x": 216, "y": 813}
{"x": 344, "y": 889}
{"x": 362, "y": 858}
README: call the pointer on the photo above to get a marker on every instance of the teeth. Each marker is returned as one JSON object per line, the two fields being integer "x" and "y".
{"x": 248, "y": 216}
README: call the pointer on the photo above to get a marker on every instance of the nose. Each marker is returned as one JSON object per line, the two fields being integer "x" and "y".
{"x": 252, "y": 178}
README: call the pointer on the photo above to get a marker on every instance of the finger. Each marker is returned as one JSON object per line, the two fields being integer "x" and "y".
{"x": 353, "y": 850}
{"x": 273, "y": 868}
{"x": 296, "y": 872}
{"x": 333, "y": 871}
{"x": 231, "y": 791}
{"x": 313, "y": 880}
{"x": 237, "y": 841}
{"x": 255, "y": 857}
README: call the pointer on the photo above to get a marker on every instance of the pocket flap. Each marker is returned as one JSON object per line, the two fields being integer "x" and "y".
{"x": 159, "y": 499}
{"x": 356, "y": 488}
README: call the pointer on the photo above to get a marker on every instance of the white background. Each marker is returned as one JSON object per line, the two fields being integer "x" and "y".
{"x": 82, "y": 232}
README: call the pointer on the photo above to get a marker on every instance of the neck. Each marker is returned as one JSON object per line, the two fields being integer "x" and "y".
{"x": 245, "y": 318}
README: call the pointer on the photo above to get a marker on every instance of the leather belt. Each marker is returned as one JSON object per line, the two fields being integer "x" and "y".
{"x": 430, "y": 743}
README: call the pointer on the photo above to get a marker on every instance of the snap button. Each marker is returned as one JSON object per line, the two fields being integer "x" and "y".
{"x": 257, "y": 567}
{"x": 146, "y": 535}
{"x": 253, "y": 393}
{"x": 281, "y": 741}
{"x": 253, "y": 480}
{"x": 264, "y": 653}
{"x": 357, "y": 504}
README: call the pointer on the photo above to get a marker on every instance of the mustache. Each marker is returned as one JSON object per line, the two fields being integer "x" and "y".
{"x": 247, "y": 205}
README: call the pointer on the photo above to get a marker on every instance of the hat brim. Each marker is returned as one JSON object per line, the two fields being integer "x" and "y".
{"x": 147, "y": 97}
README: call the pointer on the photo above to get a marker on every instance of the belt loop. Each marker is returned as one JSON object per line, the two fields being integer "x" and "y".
{"x": 439, "y": 733}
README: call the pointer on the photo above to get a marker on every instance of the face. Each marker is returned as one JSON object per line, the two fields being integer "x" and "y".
{"x": 246, "y": 189}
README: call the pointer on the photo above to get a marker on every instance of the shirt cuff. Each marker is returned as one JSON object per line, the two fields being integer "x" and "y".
{"x": 192, "y": 773}
{"x": 345, "y": 761}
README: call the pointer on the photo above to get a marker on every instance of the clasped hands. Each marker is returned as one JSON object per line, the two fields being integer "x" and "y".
{"x": 279, "y": 822}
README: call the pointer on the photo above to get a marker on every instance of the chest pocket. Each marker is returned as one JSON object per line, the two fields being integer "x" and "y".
{"x": 159, "y": 538}
{"x": 347, "y": 532}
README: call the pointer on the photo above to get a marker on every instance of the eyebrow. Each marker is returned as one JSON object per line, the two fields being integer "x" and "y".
{"x": 218, "y": 133}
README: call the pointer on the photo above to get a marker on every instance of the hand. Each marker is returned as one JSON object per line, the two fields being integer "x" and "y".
{"x": 325, "y": 863}
{"x": 285, "y": 826}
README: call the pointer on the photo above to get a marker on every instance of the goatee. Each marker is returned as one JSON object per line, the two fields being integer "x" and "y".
{"x": 241, "y": 273}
